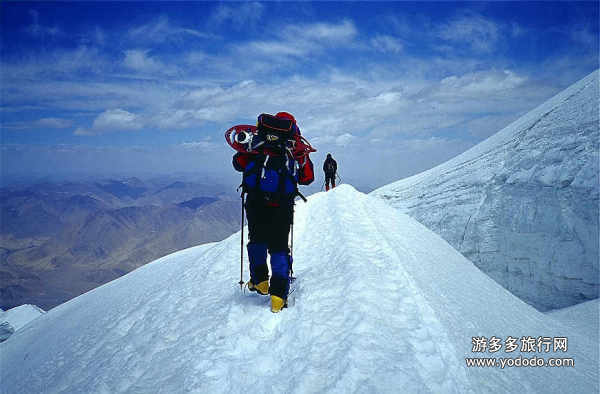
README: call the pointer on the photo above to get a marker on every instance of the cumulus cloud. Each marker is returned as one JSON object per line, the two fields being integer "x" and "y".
{"x": 117, "y": 119}
{"x": 344, "y": 106}
{"x": 113, "y": 120}
{"x": 140, "y": 60}
{"x": 339, "y": 107}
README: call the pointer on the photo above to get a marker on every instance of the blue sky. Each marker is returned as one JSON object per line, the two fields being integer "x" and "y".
{"x": 390, "y": 88}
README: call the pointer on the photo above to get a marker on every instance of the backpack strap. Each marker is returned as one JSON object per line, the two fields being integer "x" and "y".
{"x": 262, "y": 171}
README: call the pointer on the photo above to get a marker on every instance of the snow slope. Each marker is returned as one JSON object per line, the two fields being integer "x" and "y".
{"x": 584, "y": 317}
{"x": 382, "y": 305}
{"x": 523, "y": 205}
{"x": 21, "y": 315}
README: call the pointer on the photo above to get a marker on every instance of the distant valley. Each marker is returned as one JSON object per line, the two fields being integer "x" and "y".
{"x": 59, "y": 240}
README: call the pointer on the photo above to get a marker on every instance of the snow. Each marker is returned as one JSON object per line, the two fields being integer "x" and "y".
{"x": 523, "y": 205}
{"x": 17, "y": 317}
{"x": 584, "y": 317}
{"x": 382, "y": 305}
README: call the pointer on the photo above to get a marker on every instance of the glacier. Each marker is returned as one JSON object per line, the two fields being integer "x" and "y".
{"x": 382, "y": 305}
{"x": 523, "y": 204}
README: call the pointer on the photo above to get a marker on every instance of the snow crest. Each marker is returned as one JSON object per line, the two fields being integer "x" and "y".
{"x": 382, "y": 305}
{"x": 523, "y": 205}
{"x": 14, "y": 319}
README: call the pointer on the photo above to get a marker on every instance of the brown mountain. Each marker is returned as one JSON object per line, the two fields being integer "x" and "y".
{"x": 60, "y": 240}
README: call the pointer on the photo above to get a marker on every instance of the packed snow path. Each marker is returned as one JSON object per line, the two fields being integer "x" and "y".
{"x": 382, "y": 305}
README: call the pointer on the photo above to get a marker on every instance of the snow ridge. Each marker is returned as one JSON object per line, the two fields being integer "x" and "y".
{"x": 382, "y": 305}
{"x": 15, "y": 318}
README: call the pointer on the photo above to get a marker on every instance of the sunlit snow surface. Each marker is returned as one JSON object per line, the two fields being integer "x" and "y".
{"x": 523, "y": 205}
{"x": 17, "y": 317}
{"x": 21, "y": 315}
{"x": 382, "y": 305}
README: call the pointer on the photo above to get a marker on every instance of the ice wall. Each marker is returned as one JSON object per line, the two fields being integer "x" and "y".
{"x": 523, "y": 205}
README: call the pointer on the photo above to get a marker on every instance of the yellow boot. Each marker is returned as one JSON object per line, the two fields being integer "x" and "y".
{"x": 261, "y": 288}
{"x": 277, "y": 304}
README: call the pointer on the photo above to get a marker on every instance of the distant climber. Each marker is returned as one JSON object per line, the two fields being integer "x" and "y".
{"x": 274, "y": 160}
{"x": 330, "y": 169}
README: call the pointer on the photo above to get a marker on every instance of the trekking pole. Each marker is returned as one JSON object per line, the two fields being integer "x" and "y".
{"x": 292, "y": 246}
{"x": 338, "y": 177}
{"x": 241, "y": 282}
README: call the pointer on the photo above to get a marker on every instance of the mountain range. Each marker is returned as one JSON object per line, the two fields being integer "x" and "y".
{"x": 59, "y": 240}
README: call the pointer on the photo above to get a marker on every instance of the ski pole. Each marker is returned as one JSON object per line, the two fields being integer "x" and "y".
{"x": 292, "y": 244}
{"x": 241, "y": 282}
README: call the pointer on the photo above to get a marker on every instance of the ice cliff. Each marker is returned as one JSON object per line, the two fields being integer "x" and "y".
{"x": 523, "y": 204}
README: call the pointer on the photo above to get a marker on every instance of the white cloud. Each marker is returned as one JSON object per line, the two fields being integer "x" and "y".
{"x": 368, "y": 102}
{"x": 39, "y": 30}
{"x": 385, "y": 43}
{"x": 479, "y": 33}
{"x": 584, "y": 35}
{"x": 481, "y": 82}
{"x": 485, "y": 126}
{"x": 161, "y": 30}
{"x": 99, "y": 36}
{"x": 303, "y": 40}
{"x": 83, "y": 132}
{"x": 202, "y": 145}
{"x": 238, "y": 15}
{"x": 44, "y": 66}
{"x": 344, "y": 139}
{"x": 45, "y": 123}
{"x": 276, "y": 48}
{"x": 54, "y": 123}
{"x": 421, "y": 145}
{"x": 329, "y": 32}
{"x": 138, "y": 59}
{"x": 195, "y": 57}
{"x": 112, "y": 120}
{"x": 516, "y": 30}
{"x": 117, "y": 119}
